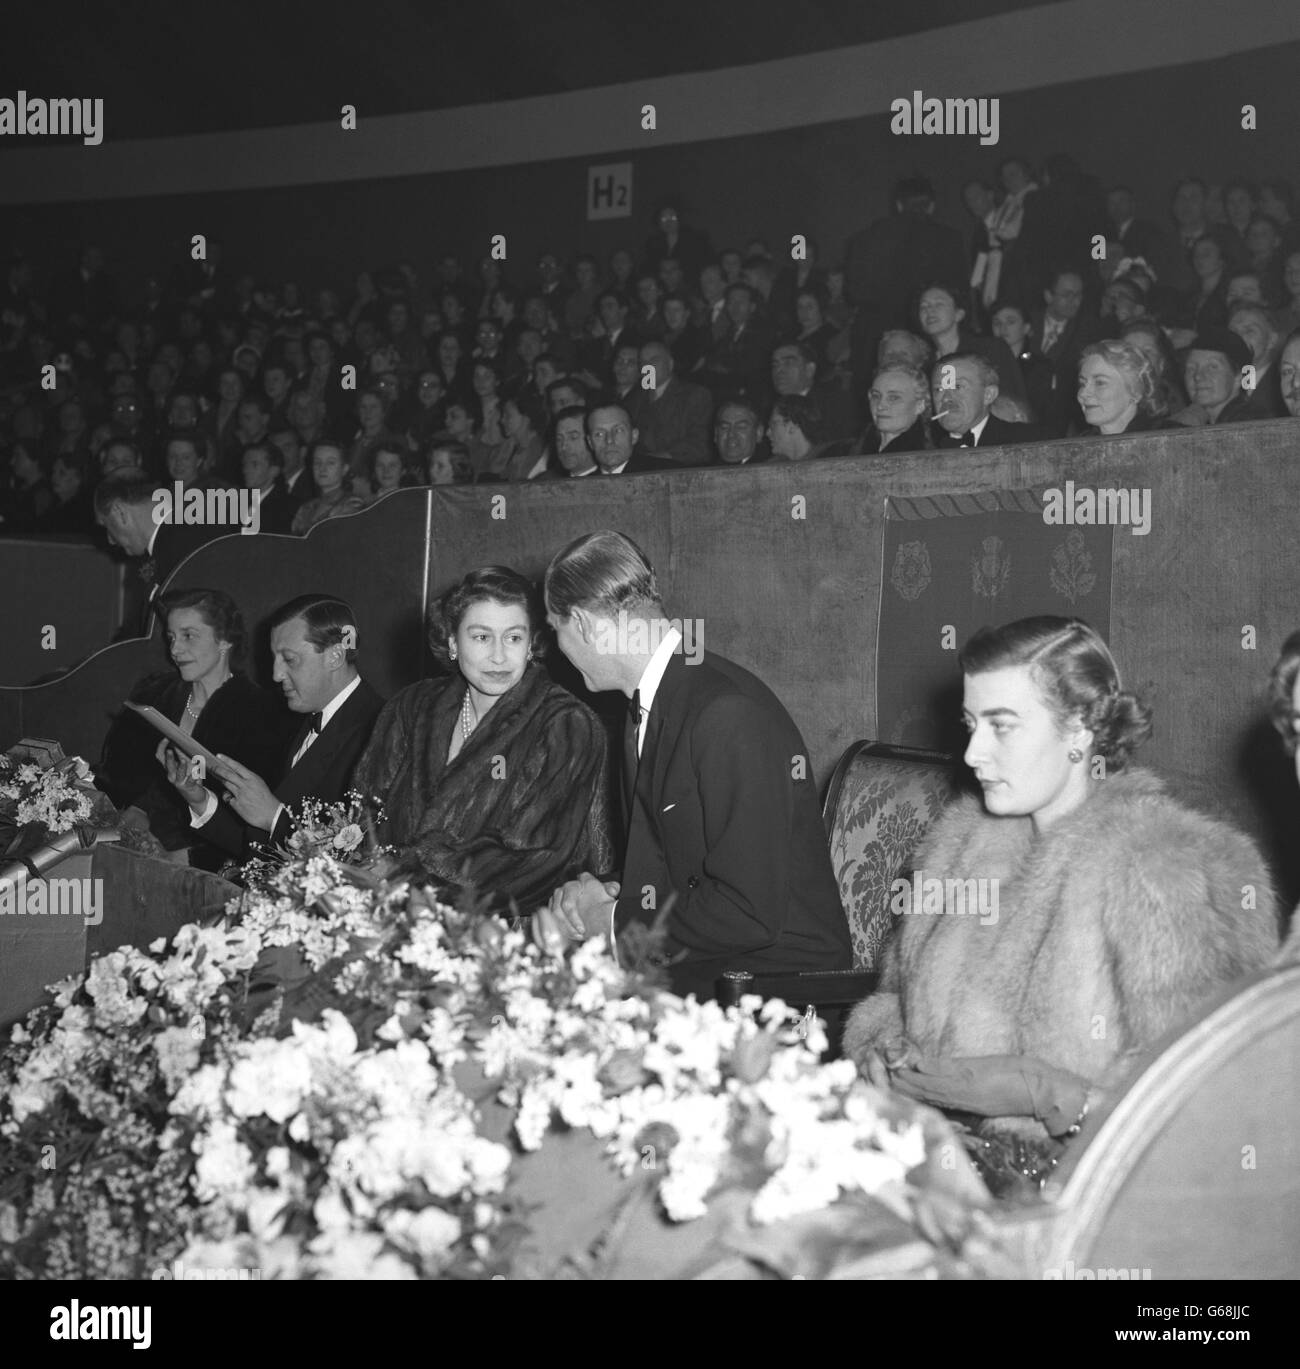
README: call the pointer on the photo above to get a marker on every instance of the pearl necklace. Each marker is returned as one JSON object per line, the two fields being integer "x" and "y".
{"x": 190, "y": 709}
{"x": 468, "y": 717}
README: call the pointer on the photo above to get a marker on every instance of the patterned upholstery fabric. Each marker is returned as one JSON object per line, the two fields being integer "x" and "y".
{"x": 883, "y": 808}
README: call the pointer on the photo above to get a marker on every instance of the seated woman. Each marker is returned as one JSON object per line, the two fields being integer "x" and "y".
{"x": 1107, "y": 910}
{"x": 335, "y": 500}
{"x": 796, "y": 430}
{"x": 900, "y": 412}
{"x": 493, "y": 778}
{"x": 1117, "y": 390}
{"x": 205, "y": 695}
{"x": 387, "y": 470}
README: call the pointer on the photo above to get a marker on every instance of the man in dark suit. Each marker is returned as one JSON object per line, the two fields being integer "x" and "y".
{"x": 1138, "y": 237}
{"x": 1059, "y": 332}
{"x": 794, "y": 372}
{"x": 611, "y": 436}
{"x": 313, "y": 641}
{"x": 726, "y": 849}
{"x": 740, "y": 362}
{"x": 262, "y": 472}
{"x": 125, "y": 507}
{"x": 964, "y": 387}
{"x": 613, "y": 308}
{"x": 672, "y": 419}
{"x": 889, "y": 263}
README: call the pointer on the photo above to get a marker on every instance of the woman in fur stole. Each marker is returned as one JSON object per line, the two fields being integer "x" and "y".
{"x": 492, "y": 777}
{"x": 1110, "y": 913}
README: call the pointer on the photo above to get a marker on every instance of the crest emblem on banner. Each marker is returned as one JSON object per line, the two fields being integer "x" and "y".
{"x": 991, "y": 571}
{"x": 911, "y": 573}
{"x": 1071, "y": 575}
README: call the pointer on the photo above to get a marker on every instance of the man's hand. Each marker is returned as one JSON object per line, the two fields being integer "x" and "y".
{"x": 577, "y": 910}
{"x": 177, "y": 765}
{"x": 248, "y": 794}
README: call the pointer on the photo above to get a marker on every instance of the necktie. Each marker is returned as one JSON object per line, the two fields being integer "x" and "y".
{"x": 630, "y": 758}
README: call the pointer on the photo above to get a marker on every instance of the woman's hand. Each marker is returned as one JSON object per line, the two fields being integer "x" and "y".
{"x": 180, "y": 776}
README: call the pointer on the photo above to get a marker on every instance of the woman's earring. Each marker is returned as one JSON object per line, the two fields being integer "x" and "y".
{"x": 1075, "y": 755}
{"x": 452, "y": 653}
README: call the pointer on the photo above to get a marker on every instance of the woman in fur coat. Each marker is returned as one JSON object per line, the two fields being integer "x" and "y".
{"x": 1104, "y": 912}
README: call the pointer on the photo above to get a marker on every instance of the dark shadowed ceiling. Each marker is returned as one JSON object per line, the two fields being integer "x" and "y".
{"x": 197, "y": 67}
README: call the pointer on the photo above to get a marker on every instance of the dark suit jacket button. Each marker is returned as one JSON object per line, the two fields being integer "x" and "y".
{"x": 693, "y": 882}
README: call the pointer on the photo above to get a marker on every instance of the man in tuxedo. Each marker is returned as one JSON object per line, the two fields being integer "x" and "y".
{"x": 126, "y": 509}
{"x": 313, "y": 641}
{"x": 726, "y": 849}
{"x": 964, "y": 387}
{"x": 569, "y": 438}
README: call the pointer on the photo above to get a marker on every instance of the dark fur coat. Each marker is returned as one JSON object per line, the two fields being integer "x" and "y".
{"x": 521, "y": 808}
{"x": 1112, "y": 927}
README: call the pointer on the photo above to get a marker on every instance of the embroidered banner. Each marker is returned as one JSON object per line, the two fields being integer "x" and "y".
{"x": 953, "y": 564}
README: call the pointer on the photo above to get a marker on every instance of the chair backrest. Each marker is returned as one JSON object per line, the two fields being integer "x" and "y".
{"x": 880, "y": 802}
{"x": 1191, "y": 1169}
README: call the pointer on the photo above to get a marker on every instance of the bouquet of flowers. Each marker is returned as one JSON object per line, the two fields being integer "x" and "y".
{"x": 389, "y": 1111}
{"x": 38, "y": 803}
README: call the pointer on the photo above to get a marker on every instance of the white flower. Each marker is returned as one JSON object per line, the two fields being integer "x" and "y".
{"x": 348, "y": 839}
{"x": 428, "y": 1234}
{"x": 225, "y": 1166}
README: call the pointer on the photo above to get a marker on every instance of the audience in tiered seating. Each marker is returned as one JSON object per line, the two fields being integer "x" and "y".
{"x": 713, "y": 357}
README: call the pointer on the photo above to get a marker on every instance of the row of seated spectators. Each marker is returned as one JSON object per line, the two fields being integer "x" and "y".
{"x": 920, "y": 339}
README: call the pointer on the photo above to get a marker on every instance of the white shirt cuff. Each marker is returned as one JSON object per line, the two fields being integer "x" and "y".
{"x": 209, "y": 807}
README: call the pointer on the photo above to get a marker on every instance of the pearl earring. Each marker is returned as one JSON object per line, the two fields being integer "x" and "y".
{"x": 1075, "y": 755}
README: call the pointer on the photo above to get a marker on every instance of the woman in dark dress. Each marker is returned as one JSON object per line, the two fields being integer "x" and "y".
{"x": 205, "y": 695}
{"x": 492, "y": 777}
{"x": 1117, "y": 390}
{"x": 900, "y": 412}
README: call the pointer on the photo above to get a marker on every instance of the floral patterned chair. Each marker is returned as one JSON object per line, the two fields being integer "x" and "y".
{"x": 880, "y": 801}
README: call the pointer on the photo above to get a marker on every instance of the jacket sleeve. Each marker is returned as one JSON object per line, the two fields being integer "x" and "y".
{"x": 743, "y": 778}
{"x": 688, "y": 442}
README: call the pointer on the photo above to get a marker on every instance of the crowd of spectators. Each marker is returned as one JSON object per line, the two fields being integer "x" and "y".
{"x": 922, "y": 335}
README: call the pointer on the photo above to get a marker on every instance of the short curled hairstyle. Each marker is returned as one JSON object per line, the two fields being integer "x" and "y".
{"x": 603, "y": 572}
{"x": 1281, "y": 691}
{"x": 500, "y": 585}
{"x": 1132, "y": 363}
{"x": 217, "y": 609}
{"x": 805, "y": 413}
{"x": 911, "y": 373}
{"x": 1076, "y": 674}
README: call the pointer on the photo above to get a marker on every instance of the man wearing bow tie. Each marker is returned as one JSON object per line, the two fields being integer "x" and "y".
{"x": 313, "y": 641}
{"x": 725, "y": 843}
{"x": 964, "y": 387}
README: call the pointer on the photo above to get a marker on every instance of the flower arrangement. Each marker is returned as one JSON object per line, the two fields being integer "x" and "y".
{"x": 346, "y": 1077}
{"x": 37, "y": 803}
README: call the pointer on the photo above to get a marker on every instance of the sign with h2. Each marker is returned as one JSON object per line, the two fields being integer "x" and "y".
{"x": 609, "y": 191}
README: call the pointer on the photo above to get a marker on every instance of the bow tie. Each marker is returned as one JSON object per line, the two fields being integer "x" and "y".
{"x": 317, "y": 724}
{"x": 634, "y": 708}
{"x": 967, "y": 440}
